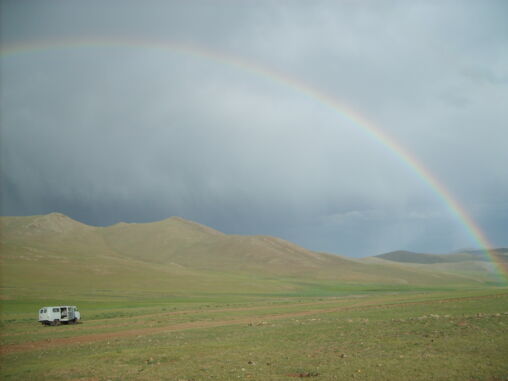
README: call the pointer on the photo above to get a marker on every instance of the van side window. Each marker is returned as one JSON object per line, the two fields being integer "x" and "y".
{"x": 56, "y": 309}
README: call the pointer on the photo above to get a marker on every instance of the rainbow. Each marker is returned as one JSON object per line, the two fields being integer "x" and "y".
{"x": 347, "y": 113}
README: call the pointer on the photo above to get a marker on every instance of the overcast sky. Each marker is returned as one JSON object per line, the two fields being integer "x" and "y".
{"x": 122, "y": 129}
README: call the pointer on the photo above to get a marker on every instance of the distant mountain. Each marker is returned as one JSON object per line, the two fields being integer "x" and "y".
{"x": 55, "y": 252}
{"x": 463, "y": 256}
{"x": 411, "y": 257}
{"x": 470, "y": 263}
{"x": 501, "y": 254}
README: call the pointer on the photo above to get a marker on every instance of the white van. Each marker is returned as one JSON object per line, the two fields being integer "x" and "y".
{"x": 59, "y": 315}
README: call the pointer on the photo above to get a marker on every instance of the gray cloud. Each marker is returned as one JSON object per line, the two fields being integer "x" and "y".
{"x": 137, "y": 133}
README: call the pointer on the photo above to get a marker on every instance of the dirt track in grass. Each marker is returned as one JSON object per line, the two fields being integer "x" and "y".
{"x": 257, "y": 320}
{"x": 125, "y": 319}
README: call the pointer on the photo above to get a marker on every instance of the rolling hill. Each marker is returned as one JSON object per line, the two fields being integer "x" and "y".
{"x": 463, "y": 256}
{"x": 471, "y": 263}
{"x": 54, "y": 253}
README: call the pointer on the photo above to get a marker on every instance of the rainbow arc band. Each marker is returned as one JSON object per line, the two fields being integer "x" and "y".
{"x": 347, "y": 113}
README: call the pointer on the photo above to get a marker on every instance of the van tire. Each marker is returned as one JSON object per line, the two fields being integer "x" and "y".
{"x": 56, "y": 322}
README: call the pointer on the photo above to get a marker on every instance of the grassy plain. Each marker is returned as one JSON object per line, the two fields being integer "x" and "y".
{"x": 175, "y": 300}
{"x": 354, "y": 335}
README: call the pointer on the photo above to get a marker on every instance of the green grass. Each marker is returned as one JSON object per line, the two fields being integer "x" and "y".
{"x": 55, "y": 258}
{"x": 410, "y": 335}
{"x": 174, "y": 300}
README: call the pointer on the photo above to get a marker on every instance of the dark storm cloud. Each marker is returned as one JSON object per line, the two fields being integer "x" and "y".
{"x": 138, "y": 134}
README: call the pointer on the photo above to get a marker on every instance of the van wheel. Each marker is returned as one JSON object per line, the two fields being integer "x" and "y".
{"x": 56, "y": 322}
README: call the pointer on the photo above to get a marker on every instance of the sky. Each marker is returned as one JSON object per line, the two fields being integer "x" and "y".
{"x": 214, "y": 111}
